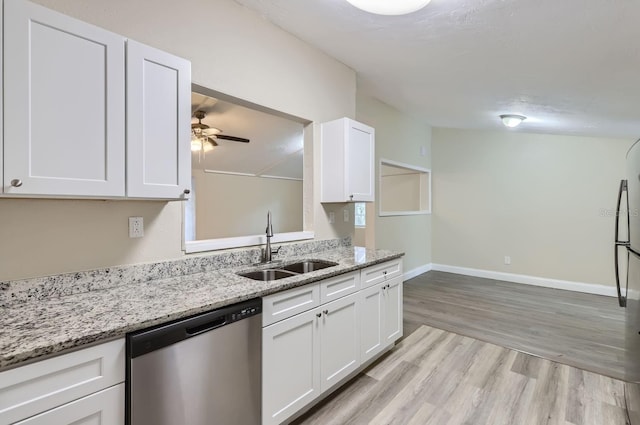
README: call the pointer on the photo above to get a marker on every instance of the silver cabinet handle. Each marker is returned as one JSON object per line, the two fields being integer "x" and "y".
{"x": 16, "y": 182}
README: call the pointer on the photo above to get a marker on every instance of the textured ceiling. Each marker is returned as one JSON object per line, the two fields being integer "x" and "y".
{"x": 571, "y": 66}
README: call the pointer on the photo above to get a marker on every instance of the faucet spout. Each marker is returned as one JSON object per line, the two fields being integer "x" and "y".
{"x": 268, "y": 252}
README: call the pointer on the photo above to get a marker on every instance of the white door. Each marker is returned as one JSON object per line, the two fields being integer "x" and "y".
{"x": 102, "y": 408}
{"x": 371, "y": 322}
{"x": 392, "y": 294}
{"x": 290, "y": 365}
{"x": 63, "y": 105}
{"x": 158, "y": 123}
{"x": 340, "y": 340}
{"x": 360, "y": 151}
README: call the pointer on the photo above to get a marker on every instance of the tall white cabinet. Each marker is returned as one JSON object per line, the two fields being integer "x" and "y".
{"x": 64, "y": 85}
{"x": 347, "y": 161}
{"x": 79, "y": 122}
{"x": 158, "y": 123}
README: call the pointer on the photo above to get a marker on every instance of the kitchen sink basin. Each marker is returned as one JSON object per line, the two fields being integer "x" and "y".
{"x": 289, "y": 270}
{"x": 268, "y": 274}
{"x": 308, "y": 266}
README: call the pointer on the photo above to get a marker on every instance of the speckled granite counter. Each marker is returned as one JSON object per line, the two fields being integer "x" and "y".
{"x": 49, "y": 323}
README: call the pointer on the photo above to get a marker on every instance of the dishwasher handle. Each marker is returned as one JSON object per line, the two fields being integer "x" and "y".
{"x": 207, "y": 326}
{"x": 155, "y": 338}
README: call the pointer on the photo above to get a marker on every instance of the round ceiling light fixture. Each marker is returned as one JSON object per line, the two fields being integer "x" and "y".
{"x": 512, "y": 120}
{"x": 389, "y": 7}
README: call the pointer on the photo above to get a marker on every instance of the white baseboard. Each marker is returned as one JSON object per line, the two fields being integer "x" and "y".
{"x": 589, "y": 288}
{"x": 410, "y": 274}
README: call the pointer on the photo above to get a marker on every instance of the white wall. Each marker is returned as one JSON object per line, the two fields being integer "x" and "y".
{"x": 232, "y": 50}
{"x": 232, "y": 205}
{"x": 398, "y": 138}
{"x": 546, "y": 201}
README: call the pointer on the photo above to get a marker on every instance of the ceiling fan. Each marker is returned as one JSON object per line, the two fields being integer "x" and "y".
{"x": 203, "y": 137}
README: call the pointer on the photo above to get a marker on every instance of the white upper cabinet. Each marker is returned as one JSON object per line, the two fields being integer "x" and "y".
{"x": 64, "y": 83}
{"x": 1, "y": 113}
{"x": 347, "y": 161}
{"x": 158, "y": 123}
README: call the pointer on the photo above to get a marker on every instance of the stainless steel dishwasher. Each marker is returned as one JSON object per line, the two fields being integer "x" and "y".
{"x": 202, "y": 370}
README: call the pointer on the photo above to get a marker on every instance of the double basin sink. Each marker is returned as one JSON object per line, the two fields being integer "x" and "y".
{"x": 281, "y": 272}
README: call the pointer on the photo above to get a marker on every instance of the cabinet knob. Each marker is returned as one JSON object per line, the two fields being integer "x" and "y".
{"x": 318, "y": 314}
{"x": 384, "y": 272}
{"x": 351, "y": 197}
{"x": 187, "y": 191}
{"x": 16, "y": 182}
{"x": 326, "y": 312}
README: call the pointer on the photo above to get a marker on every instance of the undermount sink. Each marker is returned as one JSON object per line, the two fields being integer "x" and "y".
{"x": 267, "y": 274}
{"x": 308, "y": 266}
{"x": 289, "y": 270}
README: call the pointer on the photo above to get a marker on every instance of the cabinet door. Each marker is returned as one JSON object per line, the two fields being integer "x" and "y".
{"x": 371, "y": 322}
{"x": 360, "y": 152}
{"x": 102, "y": 408}
{"x": 290, "y": 366}
{"x": 392, "y": 294}
{"x": 63, "y": 105}
{"x": 340, "y": 340}
{"x": 158, "y": 123}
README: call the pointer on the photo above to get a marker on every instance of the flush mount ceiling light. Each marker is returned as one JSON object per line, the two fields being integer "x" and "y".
{"x": 511, "y": 120}
{"x": 389, "y": 7}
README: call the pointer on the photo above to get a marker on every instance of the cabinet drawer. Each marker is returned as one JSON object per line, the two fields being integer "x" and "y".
{"x": 339, "y": 286}
{"x": 102, "y": 408}
{"x": 381, "y": 272}
{"x": 35, "y": 388}
{"x": 285, "y": 304}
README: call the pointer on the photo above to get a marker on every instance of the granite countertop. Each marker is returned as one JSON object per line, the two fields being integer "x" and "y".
{"x": 41, "y": 327}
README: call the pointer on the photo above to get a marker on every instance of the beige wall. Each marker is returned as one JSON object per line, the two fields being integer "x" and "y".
{"x": 232, "y": 50}
{"x": 231, "y": 205}
{"x": 546, "y": 201}
{"x": 398, "y": 138}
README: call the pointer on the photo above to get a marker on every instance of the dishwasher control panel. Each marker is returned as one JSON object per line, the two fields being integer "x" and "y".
{"x": 245, "y": 312}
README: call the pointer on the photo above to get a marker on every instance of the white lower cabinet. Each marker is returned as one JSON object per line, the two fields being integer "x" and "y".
{"x": 371, "y": 322}
{"x": 290, "y": 366}
{"x": 339, "y": 337}
{"x": 307, "y": 354}
{"x": 81, "y": 387}
{"x": 102, "y": 408}
{"x": 392, "y": 310}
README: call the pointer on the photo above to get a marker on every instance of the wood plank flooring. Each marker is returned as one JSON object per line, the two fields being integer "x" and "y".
{"x": 581, "y": 330}
{"x": 435, "y": 377}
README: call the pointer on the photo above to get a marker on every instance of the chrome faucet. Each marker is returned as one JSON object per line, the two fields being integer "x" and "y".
{"x": 268, "y": 252}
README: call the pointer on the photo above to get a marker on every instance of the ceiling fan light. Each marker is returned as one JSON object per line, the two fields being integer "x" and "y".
{"x": 389, "y": 7}
{"x": 512, "y": 120}
{"x": 196, "y": 145}
{"x": 207, "y": 146}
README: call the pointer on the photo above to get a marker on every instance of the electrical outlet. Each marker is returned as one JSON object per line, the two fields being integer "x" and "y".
{"x": 136, "y": 227}
{"x": 332, "y": 217}
{"x": 507, "y": 260}
{"x": 345, "y": 215}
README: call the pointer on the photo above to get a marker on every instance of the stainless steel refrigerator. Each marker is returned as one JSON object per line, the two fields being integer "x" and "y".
{"x": 627, "y": 248}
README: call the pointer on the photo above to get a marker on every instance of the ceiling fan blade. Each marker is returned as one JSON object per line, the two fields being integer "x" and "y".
{"x": 212, "y": 141}
{"x": 232, "y": 138}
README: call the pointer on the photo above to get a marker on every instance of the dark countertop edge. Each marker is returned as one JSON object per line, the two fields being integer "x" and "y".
{"x": 74, "y": 344}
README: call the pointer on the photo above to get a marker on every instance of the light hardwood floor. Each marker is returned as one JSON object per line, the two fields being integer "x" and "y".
{"x": 435, "y": 377}
{"x": 581, "y": 330}
{"x": 464, "y": 360}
